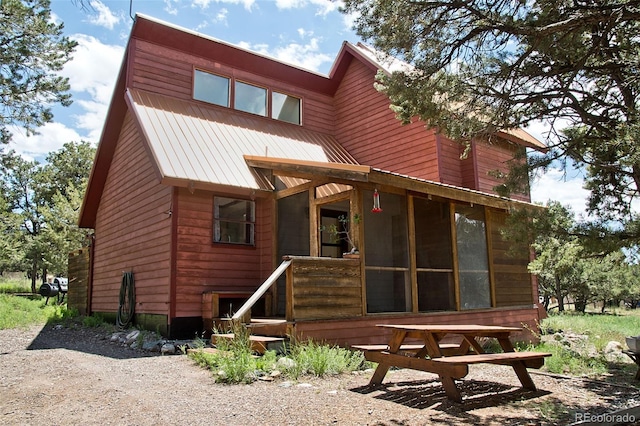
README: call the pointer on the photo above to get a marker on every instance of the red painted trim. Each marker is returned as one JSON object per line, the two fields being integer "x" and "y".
{"x": 476, "y": 178}
{"x": 174, "y": 251}
{"x": 92, "y": 246}
{"x": 104, "y": 154}
{"x": 439, "y": 155}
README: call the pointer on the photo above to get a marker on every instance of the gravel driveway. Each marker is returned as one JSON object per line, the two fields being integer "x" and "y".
{"x": 74, "y": 375}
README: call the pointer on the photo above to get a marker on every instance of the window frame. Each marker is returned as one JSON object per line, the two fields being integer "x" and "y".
{"x": 229, "y": 87}
{"x": 271, "y": 110}
{"x": 257, "y": 86}
{"x": 250, "y": 223}
{"x": 231, "y": 101}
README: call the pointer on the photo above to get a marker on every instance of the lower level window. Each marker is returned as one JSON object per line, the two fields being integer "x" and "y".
{"x": 234, "y": 221}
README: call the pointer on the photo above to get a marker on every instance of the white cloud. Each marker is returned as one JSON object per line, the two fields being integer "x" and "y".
{"x": 94, "y": 68}
{"x": 567, "y": 190}
{"x": 92, "y": 119}
{"x": 248, "y": 4}
{"x": 221, "y": 16}
{"x": 92, "y": 73}
{"x": 324, "y": 7}
{"x": 306, "y": 56}
{"x": 202, "y": 4}
{"x": 50, "y": 138}
{"x": 290, "y": 4}
{"x": 103, "y": 16}
{"x": 349, "y": 20}
{"x": 303, "y": 33}
{"x": 170, "y": 7}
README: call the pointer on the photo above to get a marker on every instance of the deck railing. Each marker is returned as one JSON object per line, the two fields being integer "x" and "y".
{"x": 316, "y": 288}
{"x": 323, "y": 288}
{"x": 262, "y": 290}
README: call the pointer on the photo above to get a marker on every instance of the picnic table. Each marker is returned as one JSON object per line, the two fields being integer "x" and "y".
{"x": 450, "y": 363}
{"x": 636, "y": 358}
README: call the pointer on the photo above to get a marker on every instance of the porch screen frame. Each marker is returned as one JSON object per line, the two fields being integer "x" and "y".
{"x": 456, "y": 258}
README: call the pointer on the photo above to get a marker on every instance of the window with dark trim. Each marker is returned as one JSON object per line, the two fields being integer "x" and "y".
{"x": 285, "y": 108}
{"x": 250, "y": 98}
{"x": 211, "y": 88}
{"x": 234, "y": 221}
{"x": 216, "y": 89}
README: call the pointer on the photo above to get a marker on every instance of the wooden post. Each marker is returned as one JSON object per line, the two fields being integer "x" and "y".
{"x": 289, "y": 312}
{"x": 413, "y": 273}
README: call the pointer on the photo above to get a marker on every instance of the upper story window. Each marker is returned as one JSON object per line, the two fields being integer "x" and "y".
{"x": 250, "y": 98}
{"x": 216, "y": 89}
{"x": 234, "y": 221}
{"x": 211, "y": 88}
{"x": 285, "y": 108}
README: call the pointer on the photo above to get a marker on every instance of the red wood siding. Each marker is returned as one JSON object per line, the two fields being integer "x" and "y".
{"x": 133, "y": 232}
{"x": 169, "y": 72}
{"x": 203, "y": 266}
{"x": 494, "y": 156}
{"x": 369, "y": 130}
{"x": 513, "y": 283}
{"x": 363, "y": 330}
{"x": 450, "y": 164}
{"x": 469, "y": 178}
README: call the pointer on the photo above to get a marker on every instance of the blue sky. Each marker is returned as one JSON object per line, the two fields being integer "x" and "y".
{"x": 306, "y": 33}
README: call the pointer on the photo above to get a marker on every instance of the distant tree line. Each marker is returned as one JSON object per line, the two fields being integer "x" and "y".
{"x": 39, "y": 205}
{"x": 568, "y": 270}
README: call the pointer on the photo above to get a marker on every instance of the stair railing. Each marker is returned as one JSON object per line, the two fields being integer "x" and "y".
{"x": 262, "y": 289}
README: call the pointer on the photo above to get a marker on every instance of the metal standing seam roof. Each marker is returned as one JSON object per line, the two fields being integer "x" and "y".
{"x": 194, "y": 142}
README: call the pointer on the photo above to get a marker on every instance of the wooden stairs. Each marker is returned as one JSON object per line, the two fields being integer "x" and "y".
{"x": 265, "y": 333}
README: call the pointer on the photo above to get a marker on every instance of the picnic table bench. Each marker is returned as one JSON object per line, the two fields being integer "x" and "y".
{"x": 636, "y": 358}
{"x": 449, "y": 362}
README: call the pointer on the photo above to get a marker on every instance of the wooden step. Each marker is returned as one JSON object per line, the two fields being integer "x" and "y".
{"x": 269, "y": 327}
{"x": 259, "y": 344}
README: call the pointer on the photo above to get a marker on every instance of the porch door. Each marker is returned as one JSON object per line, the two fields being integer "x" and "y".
{"x": 388, "y": 279}
{"x": 331, "y": 244}
{"x": 293, "y": 237}
{"x": 473, "y": 257}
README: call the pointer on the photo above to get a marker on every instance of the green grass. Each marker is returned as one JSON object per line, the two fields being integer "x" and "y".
{"x": 20, "y": 312}
{"x": 601, "y": 328}
{"x": 15, "y": 285}
{"x": 566, "y": 361}
{"x": 320, "y": 360}
{"x": 579, "y": 360}
{"x": 235, "y": 363}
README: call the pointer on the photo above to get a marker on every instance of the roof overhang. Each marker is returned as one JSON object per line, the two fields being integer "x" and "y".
{"x": 309, "y": 169}
{"x": 350, "y": 173}
{"x": 522, "y": 137}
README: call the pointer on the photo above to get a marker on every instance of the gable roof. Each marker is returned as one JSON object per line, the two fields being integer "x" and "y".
{"x": 182, "y": 161}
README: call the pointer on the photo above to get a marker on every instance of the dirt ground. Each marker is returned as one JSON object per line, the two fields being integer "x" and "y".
{"x": 56, "y": 375}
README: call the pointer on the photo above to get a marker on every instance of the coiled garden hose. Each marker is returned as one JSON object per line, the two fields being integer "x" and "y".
{"x": 127, "y": 305}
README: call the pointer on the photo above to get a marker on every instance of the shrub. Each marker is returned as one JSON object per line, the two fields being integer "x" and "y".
{"x": 234, "y": 362}
{"x": 320, "y": 360}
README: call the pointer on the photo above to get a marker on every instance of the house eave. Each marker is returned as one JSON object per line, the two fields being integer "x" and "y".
{"x": 366, "y": 174}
